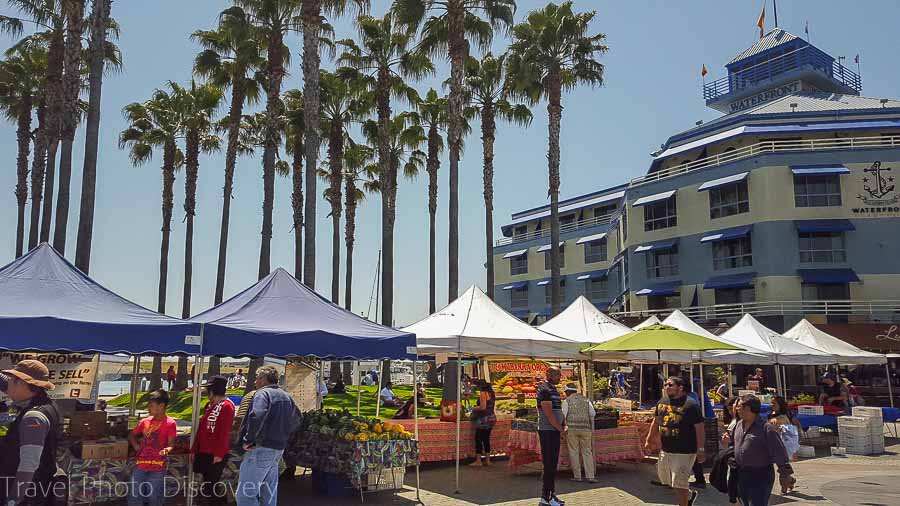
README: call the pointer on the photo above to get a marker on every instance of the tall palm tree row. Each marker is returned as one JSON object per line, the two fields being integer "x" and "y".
{"x": 488, "y": 97}
{"x": 357, "y": 166}
{"x": 382, "y": 61}
{"x": 232, "y": 54}
{"x": 295, "y": 136}
{"x": 448, "y": 29}
{"x": 552, "y": 51}
{"x": 433, "y": 113}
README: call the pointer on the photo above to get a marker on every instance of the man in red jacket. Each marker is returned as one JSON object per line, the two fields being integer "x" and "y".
{"x": 213, "y": 441}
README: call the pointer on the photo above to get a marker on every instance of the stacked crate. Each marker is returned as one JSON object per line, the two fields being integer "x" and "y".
{"x": 855, "y": 434}
{"x": 876, "y": 425}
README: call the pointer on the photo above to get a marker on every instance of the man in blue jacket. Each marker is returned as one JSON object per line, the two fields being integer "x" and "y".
{"x": 264, "y": 434}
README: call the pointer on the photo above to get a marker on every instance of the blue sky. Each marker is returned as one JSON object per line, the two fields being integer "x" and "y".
{"x": 652, "y": 90}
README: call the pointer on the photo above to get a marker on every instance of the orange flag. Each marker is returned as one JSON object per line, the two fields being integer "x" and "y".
{"x": 761, "y": 22}
{"x": 703, "y": 71}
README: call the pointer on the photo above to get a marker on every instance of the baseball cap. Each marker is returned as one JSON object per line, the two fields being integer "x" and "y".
{"x": 216, "y": 384}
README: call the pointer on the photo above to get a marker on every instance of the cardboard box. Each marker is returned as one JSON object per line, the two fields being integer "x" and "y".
{"x": 87, "y": 424}
{"x": 107, "y": 451}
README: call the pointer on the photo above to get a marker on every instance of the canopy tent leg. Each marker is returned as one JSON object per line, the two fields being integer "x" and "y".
{"x": 378, "y": 388}
{"x": 641, "y": 385}
{"x": 692, "y": 378}
{"x": 135, "y": 379}
{"x": 358, "y": 388}
{"x": 416, "y": 417}
{"x": 702, "y": 395}
{"x": 730, "y": 383}
{"x": 458, "y": 414}
{"x": 320, "y": 378}
{"x": 887, "y": 373}
{"x": 195, "y": 414}
{"x": 779, "y": 384}
{"x": 784, "y": 381}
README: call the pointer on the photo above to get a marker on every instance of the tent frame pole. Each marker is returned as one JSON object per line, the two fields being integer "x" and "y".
{"x": 730, "y": 382}
{"x": 135, "y": 375}
{"x": 195, "y": 413}
{"x": 378, "y": 388}
{"x": 641, "y": 384}
{"x": 702, "y": 395}
{"x": 458, "y": 412}
{"x": 887, "y": 373}
{"x": 416, "y": 416}
{"x": 358, "y": 388}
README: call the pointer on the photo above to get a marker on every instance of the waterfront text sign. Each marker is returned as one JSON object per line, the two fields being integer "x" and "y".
{"x": 765, "y": 96}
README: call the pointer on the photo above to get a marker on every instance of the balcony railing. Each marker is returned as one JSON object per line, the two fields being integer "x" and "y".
{"x": 803, "y": 58}
{"x": 886, "y": 309}
{"x": 777, "y": 146}
{"x": 570, "y": 227}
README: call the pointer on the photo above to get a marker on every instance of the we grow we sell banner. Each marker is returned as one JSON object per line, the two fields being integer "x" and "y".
{"x": 72, "y": 374}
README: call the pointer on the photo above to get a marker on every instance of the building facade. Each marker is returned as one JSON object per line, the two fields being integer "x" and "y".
{"x": 785, "y": 207}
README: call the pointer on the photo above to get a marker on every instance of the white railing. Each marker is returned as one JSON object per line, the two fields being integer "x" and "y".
{"x": 771, "y": 147}
{"x": 539, "y": 234}
{"x": 883, "y": 308}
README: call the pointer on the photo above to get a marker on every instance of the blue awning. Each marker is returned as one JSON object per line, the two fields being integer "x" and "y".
{"x": 545, "y": 282}
{"x": 591, "y": 238}
{"x": 819, "y": 170}
{"x": 516, "y": 286}
{"x": 658, "y": 245}
{"x": 815, "y": 127}
{"x": 670, "y": 288}
{"x": 593, "y": 275}
{"x": 546, "y": 247}
{"x": 722, "y": 181}
{"x": 742, "y": 280}
{"x": 649, "y": 199}
{"x": 514, "y": 254}
{"x": 519, "y": 313}
{"x": 828, "y": 276}
{"x": 545, "y": 312}
{"x": 602, "y": 306}
{"x": 840, "y": 225}
{"x": 726, "y": 234}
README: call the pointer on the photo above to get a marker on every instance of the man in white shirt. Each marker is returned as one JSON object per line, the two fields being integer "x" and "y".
{"x": 388, "y": 398}
{"x": 579, "y": 415}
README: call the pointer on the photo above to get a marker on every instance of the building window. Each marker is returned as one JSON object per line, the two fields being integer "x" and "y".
{"x": 562, "y": 258}
{"x": 822, "y": 247}
{"x": 606, "y": 210}
{"x": 548, "y": 298}
{"x": 729, "y": 200}
{"x": 595, "y": 251}
{"x": 817, "y": 191}
{"x": 663, "y": 263}
{"x": 660, "y": 215}
{"x": 518, "y": 265}
{"x": 732, "y": 253}
{"x": 837, "y": 291}
{"x": 566, "y": 220}
{"x": 597, "y": 289}
{"x": 735, "y": 295}
{"x": 519, "y": 297}
{"x": 520, "y": 231}
{"x": 657, "y": 302}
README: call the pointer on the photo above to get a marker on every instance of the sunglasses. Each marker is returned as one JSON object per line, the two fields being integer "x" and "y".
{"x": 670, "y": 384}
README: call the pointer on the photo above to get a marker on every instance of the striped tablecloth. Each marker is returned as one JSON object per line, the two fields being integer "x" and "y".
{"x": 437, "y": 439}
{"x": 610, "y": 445}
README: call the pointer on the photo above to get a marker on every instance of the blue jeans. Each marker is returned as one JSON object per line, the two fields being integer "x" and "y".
{"x": 258, "y": 482}
{"x": 147, "y": 488}
{"x": 755, "y": 485}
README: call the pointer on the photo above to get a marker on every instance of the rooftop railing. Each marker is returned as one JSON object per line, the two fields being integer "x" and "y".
{"x": 803, "y": 58}
{"x": 570, "y": 227}
{"x": 776, "y": 146}
{"x": 885, "y": 309}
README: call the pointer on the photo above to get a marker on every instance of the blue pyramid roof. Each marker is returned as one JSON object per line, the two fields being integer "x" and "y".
{"x": 279, "y": 316}
{"x": 47, "y": 304}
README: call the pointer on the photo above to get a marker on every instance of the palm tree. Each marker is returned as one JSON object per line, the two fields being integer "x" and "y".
{"x": 156, "y": 124}
{"x": 313, "y": 27}
{"x": 448, "y": 30}
{"x": 487, "y": 89}
{"x": 74, "y": 12}
{"x": 433, "y": 111}
{"x": 231, "y": 56}
{"x": 357, "y": 163}
{"x": 99, "y": 27}
{"x": 383, "y": 61}
{"x": 20, "y": 83}
{"x": 294, "y": 142}
{"x": 49, "y": 16}
{"x": 551, "y": 52}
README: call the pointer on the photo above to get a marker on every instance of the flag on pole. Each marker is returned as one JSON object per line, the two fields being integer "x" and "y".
{"x": 703, "y": 71}
{"x": 806, "y": 29}
{"x": 856, "y": 60}
{"x": 761, "y": 22}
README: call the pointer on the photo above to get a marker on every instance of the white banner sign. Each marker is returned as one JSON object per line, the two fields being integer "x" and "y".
{"x": 73, "y": 374}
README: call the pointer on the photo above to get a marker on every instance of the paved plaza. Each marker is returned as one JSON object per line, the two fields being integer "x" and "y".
{"x": 844, "y": 481}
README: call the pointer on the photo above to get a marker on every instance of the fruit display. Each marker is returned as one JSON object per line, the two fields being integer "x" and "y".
{"x": 510, "y": 385}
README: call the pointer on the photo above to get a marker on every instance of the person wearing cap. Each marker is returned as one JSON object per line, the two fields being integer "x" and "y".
{"x": 28, "y": 452}
{"x": 213, "y": 439}
{"x": 833, "y": 392}
{"x": 579, "y": 414}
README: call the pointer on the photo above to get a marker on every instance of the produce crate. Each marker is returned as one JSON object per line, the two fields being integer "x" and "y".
{"x": 876, "y": 425}
{"x": 810, "y": 410}
{"x": 605, "y": 423}
{"x": 806, "y": 452}
{"x": 838, "y": 451}
{"x": 388, "y": 479}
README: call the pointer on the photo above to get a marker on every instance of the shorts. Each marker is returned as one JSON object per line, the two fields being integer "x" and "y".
{"x": 675, "y": 469}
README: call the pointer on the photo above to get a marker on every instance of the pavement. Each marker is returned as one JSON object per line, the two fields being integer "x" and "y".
{"x": 825, "y": 480}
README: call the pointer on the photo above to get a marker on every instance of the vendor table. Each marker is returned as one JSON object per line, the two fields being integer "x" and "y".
{"x": 610, "y": 446}
{"x": 826, "y": 421}
{"x": 437, "y": 439}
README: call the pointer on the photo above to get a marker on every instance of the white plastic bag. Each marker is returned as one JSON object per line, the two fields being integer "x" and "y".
{"x": 791, "y": 439}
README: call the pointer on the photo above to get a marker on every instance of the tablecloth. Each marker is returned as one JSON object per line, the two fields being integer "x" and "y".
{"x": 890, "y": 415}
{"x": 374, "y": 456}
{"x": 437, "y": 439}
{"x": 828, "y": 421}
{"x": 610, "y": 445}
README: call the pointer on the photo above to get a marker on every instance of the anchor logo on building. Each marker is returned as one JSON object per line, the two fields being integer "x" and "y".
{"x": 879, "y": 187}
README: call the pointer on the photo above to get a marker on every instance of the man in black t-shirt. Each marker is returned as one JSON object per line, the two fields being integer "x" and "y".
{"x": 677, "y": 429}
{"x": 551, "y": 426}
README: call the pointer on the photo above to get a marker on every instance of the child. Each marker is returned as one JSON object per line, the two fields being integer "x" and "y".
{"x": 213, "y": 440}
{"x": 153, "y": 440}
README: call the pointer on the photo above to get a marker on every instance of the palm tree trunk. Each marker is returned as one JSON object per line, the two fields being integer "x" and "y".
{"x": 49, "y": 179}
{"x": 181, "y": 373}
{"x": 38, "y": 168}
{"x": 168, "y": 196}
{"x": 488, "y": 129}
{"x": 192, "y": 166}
{"x": 433, "y": 166}
{"x": 74, "y": 10}
{"x": 554, "y": 109}
{"x": 274, "y": 110}
{"x": 255, "y": 363}
{"x": 312, "y": 25}
{"x": 457, "y": 53}
{"x": 388, "y": 180}
{"x": 53, "y": 86}
{"x": 297, "y": 201}
{"x": 92, "y": 137}
{"x": 23, "y": 138}
{"x": 335, "y": 177}
{"x": 349, "y": 238}
{"x": 238, "y": 95}
{"x": 156, "y": 373}
{"x": 347, "y": 372}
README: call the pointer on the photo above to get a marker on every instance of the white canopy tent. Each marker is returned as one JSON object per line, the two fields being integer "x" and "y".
{"x": 751, "y": 355}
{"x": 583, "y": 322}
{"x": 808, "y": 334}
{"x": 653, "y": 320}
{"x": 749, "y": 333}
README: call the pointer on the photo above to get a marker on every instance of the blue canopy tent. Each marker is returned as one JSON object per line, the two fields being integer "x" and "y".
{"x": 47, "y": 304}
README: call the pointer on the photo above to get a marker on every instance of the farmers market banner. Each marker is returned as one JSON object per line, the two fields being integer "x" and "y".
{"x": 513, "y": 377}
{"x": 73, "y": 374}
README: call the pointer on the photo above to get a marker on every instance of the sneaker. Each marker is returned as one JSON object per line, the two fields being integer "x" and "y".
{"x": 552, "y": 502}
{"x": 559, "y": 501}
{"x": 693, "y": 498}
{"x": 698, "y": 484}
{"x": 576, "y": 480}
{"x": 659, "y": 483}
{"x": 592, "y": 480}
